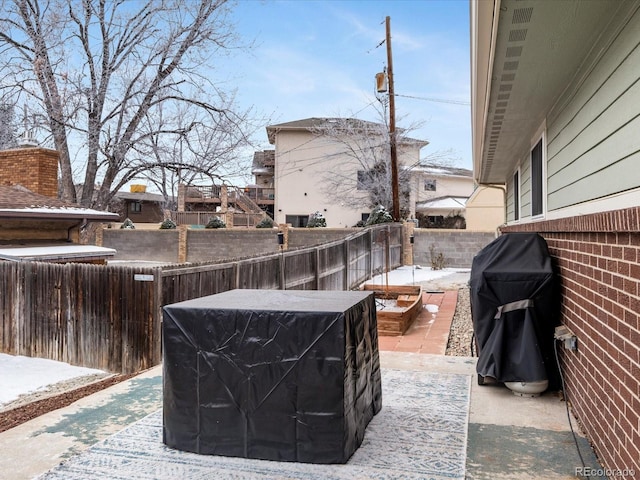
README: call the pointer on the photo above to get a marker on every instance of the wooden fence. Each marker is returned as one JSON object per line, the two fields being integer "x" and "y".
{"x": 109, "y": 317}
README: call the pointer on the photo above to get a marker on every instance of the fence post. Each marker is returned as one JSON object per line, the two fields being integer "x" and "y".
{"x": 283, "y": 285}
{"x": 182, "y": 243}
{"x": 346, "y": 265}
{"x": 156, "y": 343}
{"x": 317, "y": 267}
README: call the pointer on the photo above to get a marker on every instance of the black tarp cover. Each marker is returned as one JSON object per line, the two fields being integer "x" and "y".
{"x": 514, "y": 309}
{"x": 278, "y": 375}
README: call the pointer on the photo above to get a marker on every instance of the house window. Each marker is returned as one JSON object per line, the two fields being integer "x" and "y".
{"x": 536, "y": 179}
{"x": 516, "y": 196}
{"x": 297, "y": 220}
{"x": 430, "y": 185}
{"x": 136, "y": 207}
{"x": 364, "y": 180}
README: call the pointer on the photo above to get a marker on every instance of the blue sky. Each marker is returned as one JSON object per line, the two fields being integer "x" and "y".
{"x": 319, "y": 59}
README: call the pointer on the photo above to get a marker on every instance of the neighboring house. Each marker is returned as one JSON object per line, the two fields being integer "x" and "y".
{"x": 263, "y": 192}
{"x": 556, "y": 118}
{"x": 140, "y": 206}
{"x": 34, "y": 224}
{"x": 438, "y": 192}
{"x": 38, "y": 228}
{"x": 484, "y": 209}
{"x": 307, "y": 164}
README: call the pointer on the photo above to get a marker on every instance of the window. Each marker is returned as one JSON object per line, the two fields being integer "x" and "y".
{"x": 136, "y": 207}
{"x": 536, "y": 179}
{"x": 297, "y": 220}
{"x": 430, "y": 185}
{"x": 363, "y": 180}
{"x": 516, "y": 196}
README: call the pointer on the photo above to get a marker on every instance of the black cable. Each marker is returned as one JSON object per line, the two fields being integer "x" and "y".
{"x": 566, "y": 404}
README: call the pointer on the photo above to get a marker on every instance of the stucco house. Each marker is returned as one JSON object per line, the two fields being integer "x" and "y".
{"x": 555, "y": 96}
{"x": 439, "y": 191}
{"x": 320, "y": 173}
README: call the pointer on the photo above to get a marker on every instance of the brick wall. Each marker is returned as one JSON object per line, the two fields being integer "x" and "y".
{"x": 598, "y": 258}
{"x": 151, "y": 245}
{"x": 33, "y": 168}
{"x": 224, "y": 243}
{"x": 458, "y": 246}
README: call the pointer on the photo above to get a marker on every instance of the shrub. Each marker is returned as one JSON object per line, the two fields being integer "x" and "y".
{"x": 167, "y": 224}
{"x": 215, "y": 222}
{"x": 316, "y": 220}
{"x": 379, "y": 215}
{"x": 438, "y": 260}
{"x": 266, "y": 222}
{"x": 128, "y": 224}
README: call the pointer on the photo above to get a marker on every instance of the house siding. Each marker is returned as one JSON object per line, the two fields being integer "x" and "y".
{"x": 598, "y": 261}
{"x": 593, "y": 149}
{"x": 305, "y": 167}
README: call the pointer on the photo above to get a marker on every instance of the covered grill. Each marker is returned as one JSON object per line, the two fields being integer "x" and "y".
{"x": 515, "y": 308}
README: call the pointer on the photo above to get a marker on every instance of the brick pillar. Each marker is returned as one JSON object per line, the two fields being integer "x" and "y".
{"x": 407, "y": 246}
{"x": 182, "y": 243}
{"x": 181, "y": 196}
{"x": 99, "y": 229}
{"x": 284, "y": 228}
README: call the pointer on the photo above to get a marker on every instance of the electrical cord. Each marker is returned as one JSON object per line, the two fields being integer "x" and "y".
{"x": 566, "y": 403}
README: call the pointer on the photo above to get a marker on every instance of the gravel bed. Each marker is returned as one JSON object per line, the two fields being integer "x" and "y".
{"x": 461, "y": 333}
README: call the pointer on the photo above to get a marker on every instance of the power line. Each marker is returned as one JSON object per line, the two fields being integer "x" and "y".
{"x": 437, "y": 100}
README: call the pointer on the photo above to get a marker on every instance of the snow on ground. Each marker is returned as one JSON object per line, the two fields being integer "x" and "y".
{"x": 413, "y": 275}
{"x": 23, "y": 375}
{"x": 408, "y": 275}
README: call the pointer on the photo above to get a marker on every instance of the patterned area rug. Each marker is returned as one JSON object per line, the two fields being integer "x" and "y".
{"x": 421, "y": 433}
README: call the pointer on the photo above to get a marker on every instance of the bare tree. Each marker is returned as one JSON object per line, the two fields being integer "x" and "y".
{"x": 364, "y": 147}
{"x": 116, "y": 79}
{"x": 7, "y": 129}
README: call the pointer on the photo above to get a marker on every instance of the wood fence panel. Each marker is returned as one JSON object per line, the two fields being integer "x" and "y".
{"x": 108, "y": 317}
{"x": 10, "y": 291}
{"x": 359, "y": 260}
{"x": 331, "y": 267}
{"x": 261, "y": 273}
{"x": 180, "y": 284}
{"x": 300, "y": 270}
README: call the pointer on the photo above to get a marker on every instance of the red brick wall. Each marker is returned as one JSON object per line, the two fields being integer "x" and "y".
{"x": 33, "y": 168}
{"x": 598, "y": 257}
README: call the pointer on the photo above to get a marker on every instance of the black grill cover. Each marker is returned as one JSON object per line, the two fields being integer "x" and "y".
{"x": 515, "y": 309}
{"x": 277, "y": 375}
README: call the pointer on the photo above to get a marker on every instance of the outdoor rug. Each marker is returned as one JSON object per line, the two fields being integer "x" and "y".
{"x": 420, "y": 433}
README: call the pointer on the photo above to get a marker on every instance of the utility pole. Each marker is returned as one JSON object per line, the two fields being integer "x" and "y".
{"x": 392, "y": 129}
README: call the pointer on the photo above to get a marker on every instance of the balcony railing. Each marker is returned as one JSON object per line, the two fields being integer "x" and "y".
{"x": 260, "y": 194}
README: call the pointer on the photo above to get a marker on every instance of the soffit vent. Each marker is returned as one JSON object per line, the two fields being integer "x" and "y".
{"x": 522, "y": 15}
{"x": 518, "y": 35}
{"x": 513, "y": 52}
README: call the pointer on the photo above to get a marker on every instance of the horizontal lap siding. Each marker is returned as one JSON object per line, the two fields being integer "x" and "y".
{"x": 593, "y": 148}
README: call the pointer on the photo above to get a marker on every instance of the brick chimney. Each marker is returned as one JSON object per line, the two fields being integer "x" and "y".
{"x": 35, "y": 168}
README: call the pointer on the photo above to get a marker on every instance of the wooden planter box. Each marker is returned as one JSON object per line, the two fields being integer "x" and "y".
{"x": 395, "y": 321}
